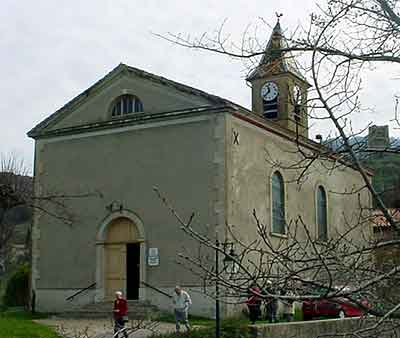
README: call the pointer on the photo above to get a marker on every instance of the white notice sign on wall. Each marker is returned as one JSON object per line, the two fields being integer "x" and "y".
{"x": 153, "y": 258}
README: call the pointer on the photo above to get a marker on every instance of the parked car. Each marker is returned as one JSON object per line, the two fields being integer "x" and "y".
{"x": 333, "y": 307}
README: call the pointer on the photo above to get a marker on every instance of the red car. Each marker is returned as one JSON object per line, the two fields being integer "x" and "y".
{"x": 335, "y": 307}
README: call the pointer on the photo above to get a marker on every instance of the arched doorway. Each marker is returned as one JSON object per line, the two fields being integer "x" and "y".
{"x": 121, "y": 252}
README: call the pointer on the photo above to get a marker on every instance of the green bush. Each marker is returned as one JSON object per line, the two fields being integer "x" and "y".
{"x": 17, "y": 288}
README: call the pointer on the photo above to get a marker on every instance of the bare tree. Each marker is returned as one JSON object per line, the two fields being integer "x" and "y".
{"x": 17, "y": 193}
{"x": 343, "y": 40}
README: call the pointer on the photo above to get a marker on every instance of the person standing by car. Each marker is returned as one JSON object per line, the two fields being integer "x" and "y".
{"x": 287, "y": 306}
{"x": 254, "y": 302}
{"x": 181, "y": 301}
{"x": 120, "y": 312}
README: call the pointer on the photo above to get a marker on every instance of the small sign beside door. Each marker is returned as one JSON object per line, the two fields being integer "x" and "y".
{"x": 153, "y": 258}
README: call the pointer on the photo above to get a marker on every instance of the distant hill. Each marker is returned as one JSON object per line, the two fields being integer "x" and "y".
{"x": 360, "y": 142}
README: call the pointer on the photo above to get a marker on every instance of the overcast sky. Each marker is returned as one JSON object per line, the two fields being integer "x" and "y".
{"x": 53, "y": 50}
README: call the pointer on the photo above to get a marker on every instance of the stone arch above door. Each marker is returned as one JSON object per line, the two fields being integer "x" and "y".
{"x": 121, "y": 230}
{"x": 103, "y": 231}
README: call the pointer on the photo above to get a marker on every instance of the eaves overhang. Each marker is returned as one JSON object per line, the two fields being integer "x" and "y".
{"x": 258, "y": 75}
{"x": 134, "y": 119}
{"x": 118, "y": 71}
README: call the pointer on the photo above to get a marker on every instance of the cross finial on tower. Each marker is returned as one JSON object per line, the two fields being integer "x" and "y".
{"x": 278, "y": 15}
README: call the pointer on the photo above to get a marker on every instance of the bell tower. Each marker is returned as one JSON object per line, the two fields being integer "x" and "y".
{"x": 279, "y": 90}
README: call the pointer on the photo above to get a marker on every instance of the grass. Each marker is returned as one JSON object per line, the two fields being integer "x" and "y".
{"x": 194, "y": 320}
{"x": 229, "y": 329}
{"x": 207, "y": 322}
{"x": 20, "y": 325}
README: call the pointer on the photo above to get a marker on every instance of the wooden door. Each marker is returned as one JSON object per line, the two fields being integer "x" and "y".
{"x": 115, "y": 272}
{"x": 121, "y": 232}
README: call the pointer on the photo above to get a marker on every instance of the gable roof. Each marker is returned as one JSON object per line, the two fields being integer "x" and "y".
{"x": 122, "y": 68}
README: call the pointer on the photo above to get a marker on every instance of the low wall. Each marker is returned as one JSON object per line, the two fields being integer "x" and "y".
{"x": 326, "y": 328}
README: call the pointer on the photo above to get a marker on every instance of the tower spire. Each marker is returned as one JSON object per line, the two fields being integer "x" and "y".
{"x": 274, "y": 59}
{"x": 279, "y": 89}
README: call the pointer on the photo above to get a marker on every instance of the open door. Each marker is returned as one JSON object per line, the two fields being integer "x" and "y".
{"x": 132, "y": 270}
{"x": 122, "y": 259}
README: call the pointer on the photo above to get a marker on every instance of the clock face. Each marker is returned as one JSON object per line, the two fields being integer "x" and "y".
{"x": 269, "y": 91}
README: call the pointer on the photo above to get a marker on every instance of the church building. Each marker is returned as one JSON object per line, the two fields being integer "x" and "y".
{"x": 132, "y": 131}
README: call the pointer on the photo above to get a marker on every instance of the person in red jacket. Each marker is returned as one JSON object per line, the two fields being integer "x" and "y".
{"x": 254, "y": 302}
{"x": 120, "y": 313}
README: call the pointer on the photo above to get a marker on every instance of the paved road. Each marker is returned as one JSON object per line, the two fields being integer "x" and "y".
{"x": 101, "y": 328}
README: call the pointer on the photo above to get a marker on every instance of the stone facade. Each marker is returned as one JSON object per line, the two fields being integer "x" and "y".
{"x": 263, "y": 151}
{"x": 326, "y": 328}
{"x": 203, "y": 152}
{"x": 123, "y": 167}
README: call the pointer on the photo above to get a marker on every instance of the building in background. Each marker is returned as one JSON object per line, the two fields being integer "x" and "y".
{"x": 382, "y": 157}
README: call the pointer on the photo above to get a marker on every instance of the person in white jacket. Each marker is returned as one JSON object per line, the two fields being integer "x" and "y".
{"x": 181, "y": 301}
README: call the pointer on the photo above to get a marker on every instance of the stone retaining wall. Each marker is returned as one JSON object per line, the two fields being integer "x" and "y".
{"x": 318, "y": 328}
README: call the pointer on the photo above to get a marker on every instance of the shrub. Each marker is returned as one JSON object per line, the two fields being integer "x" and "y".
{"x": 17, "y": 288}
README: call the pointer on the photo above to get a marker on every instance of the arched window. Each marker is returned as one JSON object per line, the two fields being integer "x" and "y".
{"x": 278, "y": 204}
{"x": 322, "y": 214}
{"x": 126, "y": 104}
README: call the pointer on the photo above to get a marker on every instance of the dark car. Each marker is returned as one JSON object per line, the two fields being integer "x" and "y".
{"x": 333, "y": 307}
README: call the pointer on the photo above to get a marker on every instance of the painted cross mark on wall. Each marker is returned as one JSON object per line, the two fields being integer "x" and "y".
{"x": 235, "y": 137}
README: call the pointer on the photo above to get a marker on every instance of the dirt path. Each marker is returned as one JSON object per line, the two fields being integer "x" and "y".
{"x": 100, "y": 328}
